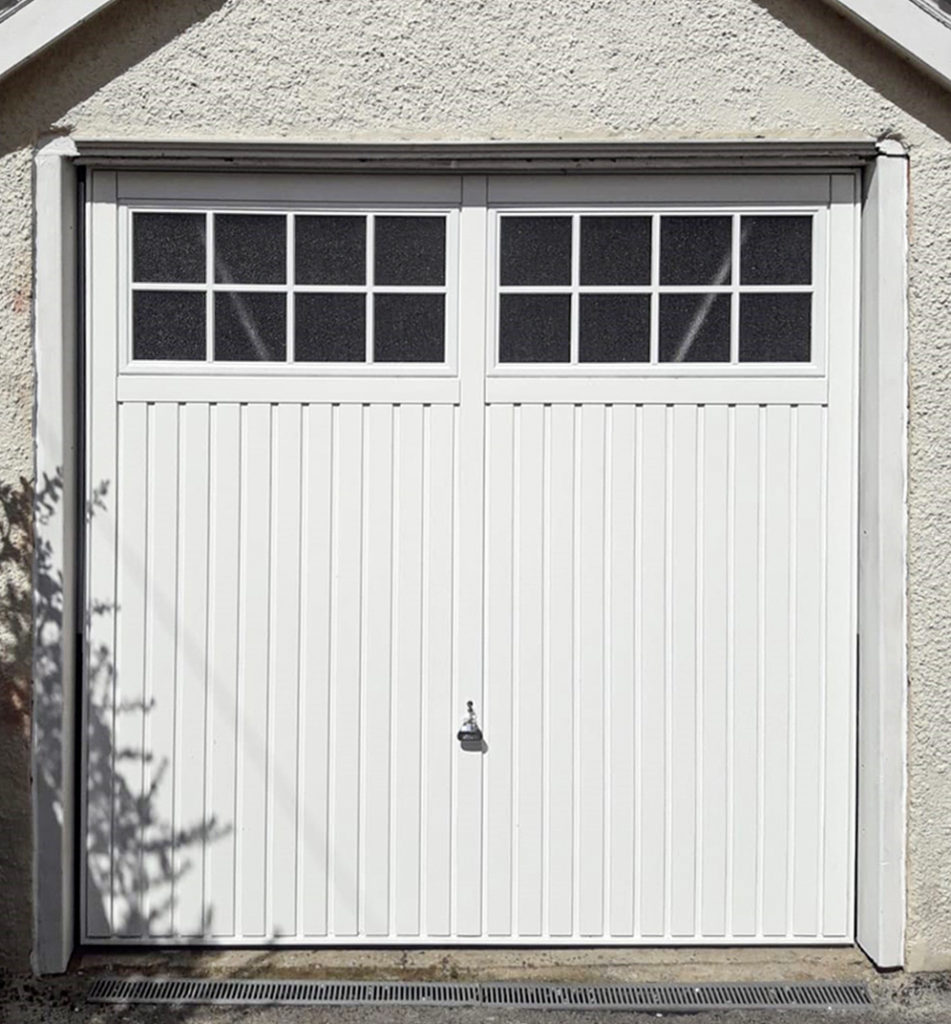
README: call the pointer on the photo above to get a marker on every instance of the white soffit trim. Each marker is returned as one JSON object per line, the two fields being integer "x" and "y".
{"x": 919, "y": 29}
{"x": 34, "y": 25}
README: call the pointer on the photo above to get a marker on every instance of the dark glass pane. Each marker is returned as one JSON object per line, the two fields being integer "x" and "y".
{"x": 615, "y": 329}
{"x": 776, "y": 250}
{"x": 168, "y": 325}
{"x": 410, "y": 250}
{"x": 775, "y": 328}
{"x": 168, "y": 247}
{"x": 330, "y": 250}
{"x": 250, "y": 248}
{"x": 330, "y": 328}
{"x": 535, "y": 250}
{"x": 250, "y": 326}
{"x": 695, "y": 328}
{"x": 695, "y": 250}
{"x": 534, "y": 328}
{"x": 409, "y": 328}
{"x": 615, "y": 250}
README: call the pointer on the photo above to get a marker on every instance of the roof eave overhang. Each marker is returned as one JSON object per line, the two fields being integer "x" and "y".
{"x": 917, "y": 29}
{"x": 30, "y": 27}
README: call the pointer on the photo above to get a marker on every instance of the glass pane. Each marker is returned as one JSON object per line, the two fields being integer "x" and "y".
{"x": 535, "y": 250}
{"x": 409, "y": 328}
{"x": 534, "y": 328}
{"x": 168, "y": 247}
{"x": 330, "y": 328}
{"x": 410, "y": 250}
{"x": 695, "y": 250}
{"x": 615, "y": 250}
{"x": 695, "y": 328}
{"x": 250, "y": 248}
{"x": 615, "y": 329}
{"x": 776, "y": 250}
{"x": 775, "y": 328}
{"x": 330, "y": 250}
{"x": 168, "y": 325}
{"x": 250, "y": 326}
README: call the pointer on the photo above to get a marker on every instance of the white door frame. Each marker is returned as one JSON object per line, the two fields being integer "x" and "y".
{"x": 882, "y": 482}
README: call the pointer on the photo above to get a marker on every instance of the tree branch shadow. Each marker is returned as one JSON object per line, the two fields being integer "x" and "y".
{"x": 129, "y": 854}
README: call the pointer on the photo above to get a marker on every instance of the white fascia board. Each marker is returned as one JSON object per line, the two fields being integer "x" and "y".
{"x": 913, "y": 27}
{"x": 33, "y": 26}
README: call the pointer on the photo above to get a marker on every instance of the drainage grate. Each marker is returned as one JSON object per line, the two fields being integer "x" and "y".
{"x": 657, "y": 998}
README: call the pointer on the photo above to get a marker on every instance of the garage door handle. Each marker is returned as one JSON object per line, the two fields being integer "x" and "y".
{"x": 470, "y": 735}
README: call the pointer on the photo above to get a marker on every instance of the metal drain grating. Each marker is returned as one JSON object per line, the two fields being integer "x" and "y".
{"x": 658, "y": 998}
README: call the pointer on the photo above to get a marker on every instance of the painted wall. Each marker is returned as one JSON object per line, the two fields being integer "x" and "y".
{"x": 491, "y": 69}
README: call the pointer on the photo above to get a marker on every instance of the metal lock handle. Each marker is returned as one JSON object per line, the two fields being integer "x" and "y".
{"x": 470, "y": 735}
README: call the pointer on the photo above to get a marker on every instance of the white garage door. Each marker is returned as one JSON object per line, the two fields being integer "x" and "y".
{"x": 360, "y": 450}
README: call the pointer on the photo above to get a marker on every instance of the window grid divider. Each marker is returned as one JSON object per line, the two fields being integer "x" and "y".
{"x": 291, "y": 274}
{"x": 734, "y": 291}
{"x": 646, "y": 289}
{"x": 237, "y": 286}
{"x": 208, "y": 286}
{"x": 654, "y": 357}
{"x": 370, "y": 278}
{"x": 575, "y": 321}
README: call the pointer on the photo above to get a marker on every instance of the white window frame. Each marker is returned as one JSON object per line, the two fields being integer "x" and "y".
{"x": 253, "y": 203}
{"x": 707, "y": 205}
{"x": 883, "y": 473}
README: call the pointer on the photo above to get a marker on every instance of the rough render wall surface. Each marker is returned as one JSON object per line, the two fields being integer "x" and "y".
{"x": 493, "y": 69}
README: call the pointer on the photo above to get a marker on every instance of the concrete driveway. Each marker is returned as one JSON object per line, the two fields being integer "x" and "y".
{"x": 919, "y": 999}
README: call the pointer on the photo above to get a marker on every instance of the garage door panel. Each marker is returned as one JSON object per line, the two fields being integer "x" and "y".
{"x": 560, "y": 545}
{"x": 499, "y": 702}
{"x": 839, "y": 784}
{"x": 158, "y": 838}
{"x": 284, "y": 690}
{"x": 680, "y": 600}
{"x": 744, "y": 692}
{"x": 408, "y": 564}
{"x": 808, "y": 739}
{"x": 589, "y": 666}
{"x": 224, "y": 561}
{"x": 127, "y": 889}
{"x": 376, "y": 654}
{"x": 529, "y": 666}
{"x": 621, "y": 567}
{"x": 651, "y": 794}
{"x": 715, "y": 543}
{"x": 191, "y": 632}
{"x": 346, "y": 573}
{"x": 438, "y": 653}
{"x": 641, "y": 574}
{"x": 253, "y": 626}
{"x": 315, "y": 669}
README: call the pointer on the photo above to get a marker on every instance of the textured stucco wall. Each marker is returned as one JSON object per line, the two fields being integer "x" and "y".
{"x": 494, "y": 69}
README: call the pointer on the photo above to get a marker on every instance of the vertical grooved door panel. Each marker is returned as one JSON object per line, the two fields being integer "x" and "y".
{"x": 657, "y": 652}
{"x": 642, "y": 576}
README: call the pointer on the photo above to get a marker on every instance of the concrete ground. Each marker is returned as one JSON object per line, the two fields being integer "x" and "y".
{"x": 898, "y": 998}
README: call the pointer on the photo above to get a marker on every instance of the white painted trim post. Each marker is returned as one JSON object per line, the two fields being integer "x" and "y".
{"x": 55, "y": 545}
{"x": 880, "y": 909}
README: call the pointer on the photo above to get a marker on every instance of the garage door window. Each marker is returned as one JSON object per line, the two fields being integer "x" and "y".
{"x": 724, "y": 288}
{"x": 322, "y": 288}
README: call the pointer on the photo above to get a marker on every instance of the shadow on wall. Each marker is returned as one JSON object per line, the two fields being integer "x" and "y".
{"x": 131, "y": 853}
{"x": 39, "y": 94}
{"x": 874, "y": 62}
